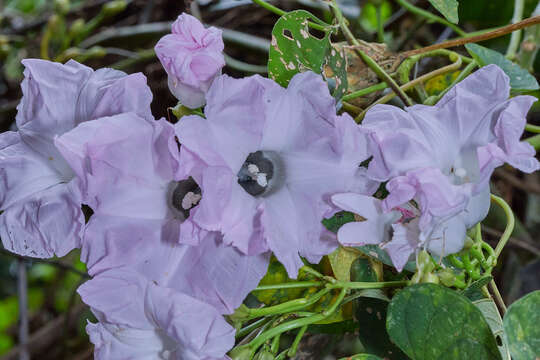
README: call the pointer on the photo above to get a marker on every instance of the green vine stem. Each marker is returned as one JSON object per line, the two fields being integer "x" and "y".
{"x": 509, "y": 224}
{"x": 532, "y": 128}
{"x": 456, "y": 65}
{"x": 365, "y": 91}
{"x": 429, "y": 16}
{"x": 280, "y": 12}
{"x": 498, "y": 297}
{"x": 368, "y": 60}
{"x": 294, "y": 347}
{"x": 380, "y": 24}
{"x": 289, "y": 285}
{"x": 516, "y": 35}
{"x": 432, "y": 100}
{"x": 298, "y": 323}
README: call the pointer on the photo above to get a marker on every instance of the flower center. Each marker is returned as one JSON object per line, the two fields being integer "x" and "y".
{"x": 258, "y": 173}
{"x": 184, "y": 195}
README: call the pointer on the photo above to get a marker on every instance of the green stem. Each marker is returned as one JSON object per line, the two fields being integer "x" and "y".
{"x": 274, "y": 348}
{"x": 365, "y": 91}
{"x": 534, "y": 141}
{"x": 312, "y": 271}
{"x": 516, "y": 35}
{"x": 418, "y": 11}
{"x": 294, "y": 347}
{"x": 532, "y": 128}
{"x": 298, "y": 323}
{"x": 254, "y": 325}
{"x": 498, "y": 297}
{"x": 368, "y": 60}
{"x": 366, "y": 285}
{"x": 280, "y": 12}
{"x": 289, "y": 285}
{"x": 380, "y": 24}
{"x": 432, "y": 100}
{"x": 456, "y": 65}
{"x": 288, "y": 306}
{"x": 509, "y": 224}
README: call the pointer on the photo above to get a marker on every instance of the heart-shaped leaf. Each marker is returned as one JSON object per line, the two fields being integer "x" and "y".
{"x": 449, "y": 9}
{"x": 431, "y": 322}
{"x": 522, "y": 329}
{"x": 520, "y": 79}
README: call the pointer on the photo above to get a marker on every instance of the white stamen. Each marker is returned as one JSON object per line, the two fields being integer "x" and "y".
{"x": 261, "y": 179}
{"x": 191, "y": 199}
{"x": 461, "y": 172}
{"x": 253, "y": 169}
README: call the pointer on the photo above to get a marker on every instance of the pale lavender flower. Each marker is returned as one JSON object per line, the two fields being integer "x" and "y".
{"x": 268, "y": 159}
{"x": 397, "y": 231}
{"x": 143, "y": 202}
{"x": 192, "y": 57}
{"x": 40, "y": 206}
{"x": 443, "y": 156}
{"x": 141, "y": 320}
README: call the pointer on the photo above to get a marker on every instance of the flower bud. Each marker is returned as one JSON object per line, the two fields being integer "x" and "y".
{"x": 114, "y": 7}
{"x": 61, "y": 6}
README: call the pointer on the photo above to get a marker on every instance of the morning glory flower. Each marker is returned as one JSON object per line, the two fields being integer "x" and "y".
{"x": 40, "y": 206}
{"x": 192, "y": 56}
{"x": 397, "y": 231}
{"x": 141, "y": 320}
{"x": 143, "y": 201}
{"x": 269, "y": 159}
{"x": 442, "y": 156}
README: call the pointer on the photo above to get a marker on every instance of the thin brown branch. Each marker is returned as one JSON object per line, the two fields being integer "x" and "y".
{"x": 513, "y": 240}
{"x": 473, "y": 39}
{"x": 516, "y": 182}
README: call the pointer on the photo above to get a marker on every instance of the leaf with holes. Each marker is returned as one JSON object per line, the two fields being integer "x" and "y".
{"x": 431, "y": 322}
{"x": 520, "y": 79}
{"x": 295, "y": 48}
{"x": 449, "y": 9}
{"x": 521, "y": 327}
{"x": 495, "y": 322}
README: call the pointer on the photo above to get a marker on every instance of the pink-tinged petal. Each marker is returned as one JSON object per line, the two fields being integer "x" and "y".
{"x": 308, "y": 101}
{"x": 509, "y": 129}
{"x": 23, "y": 172}
{"x": 102, "y": 153}
{"x": 44, "y": 224}
{"x": 219, "y": 274}
{"x": 114, "y": 241}
{"x": 360, "y": 233}
{"x": 448, "y": 237}
{"x": 282, "y": 230}
{"x": 367, "y": 207}
{"x": 192, "y": 56}
{"x": 404, "y": 244}
{"x": 199, "y": 330}
{"x": 114, "y": 342}
{"x": 117, "y": 297}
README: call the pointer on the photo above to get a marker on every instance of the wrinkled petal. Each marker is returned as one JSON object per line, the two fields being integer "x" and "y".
{"x": 404, "y": 243}
{"x": 45, "y": 224}
{"x": 192, "y": 56}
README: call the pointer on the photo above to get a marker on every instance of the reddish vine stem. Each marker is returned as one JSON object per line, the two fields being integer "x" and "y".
{"x": 472, "y": 39}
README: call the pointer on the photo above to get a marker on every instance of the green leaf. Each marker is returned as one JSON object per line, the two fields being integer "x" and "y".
{"x": 6, "y": 343}
{"x": 362, "y": 270}
{"x": 377, "y": 253}
{"x": 362, "y": 357}
{"x": 495, "y": 322}
{"x": 449, "y": 9}
{"x": 370, "y": 313}
{"x": 474, "y": 291}
{"x": 520, "y": 79}
{"x": 335, "y": 222}
{"x": 294, "y": 48}
{"x": 341, "y": 260}
{"x": 368, "y": 16}
{"x": 431, "y": 322}
{"x": 521, "y": 327}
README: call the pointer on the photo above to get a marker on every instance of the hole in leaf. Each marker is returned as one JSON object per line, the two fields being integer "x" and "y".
{"x": 316, "y": 33}
{"x": 287, "y": 34}
{"x": 499, "y": 340}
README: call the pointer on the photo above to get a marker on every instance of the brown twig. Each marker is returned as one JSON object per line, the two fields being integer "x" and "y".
{"x": 516, "y": 182}
{"x": 473, "y": 39}
{"x": 525, "y": 245}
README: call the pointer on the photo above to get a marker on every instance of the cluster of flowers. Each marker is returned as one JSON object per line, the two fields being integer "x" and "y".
{"x": 180, "y": 234}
